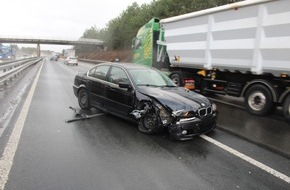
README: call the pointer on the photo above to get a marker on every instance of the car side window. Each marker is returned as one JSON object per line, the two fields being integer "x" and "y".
{"x": 118, "y": 75}
{"x": 99, "y": 72}
{"x": 92, "y": 72}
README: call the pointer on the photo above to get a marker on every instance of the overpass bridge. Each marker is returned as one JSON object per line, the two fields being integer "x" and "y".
{"x": 51, "y": 41}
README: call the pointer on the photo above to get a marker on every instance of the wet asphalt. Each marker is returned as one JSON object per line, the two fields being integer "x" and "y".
{"x": 271, "y": 131}
{"x": 107, "y": 152}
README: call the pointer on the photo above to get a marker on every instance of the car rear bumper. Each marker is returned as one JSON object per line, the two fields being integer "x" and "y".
{"x": 187, "y": 130}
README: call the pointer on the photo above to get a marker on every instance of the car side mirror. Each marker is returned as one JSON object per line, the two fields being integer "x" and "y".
{"x": 125, "y": 85}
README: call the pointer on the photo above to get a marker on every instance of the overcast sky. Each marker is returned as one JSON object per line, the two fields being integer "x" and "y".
{"x": 58, "y": 18}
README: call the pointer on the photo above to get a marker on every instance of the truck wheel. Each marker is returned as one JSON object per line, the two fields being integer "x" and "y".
{"x": 177, "y": 79}
{"x": 83, "y": 99}
{"x": 286, "y": 108}
{"x": 259, "y": 100}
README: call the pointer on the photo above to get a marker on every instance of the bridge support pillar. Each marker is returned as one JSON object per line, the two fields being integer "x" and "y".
{"x": 38, "y": 50}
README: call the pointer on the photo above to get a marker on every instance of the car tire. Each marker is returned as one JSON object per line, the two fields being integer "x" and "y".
{"x": 149, "y": 124}
{"x": 83, "y": 99}
{"x": 286, "y": 108}
{"x": 259, "y": 100}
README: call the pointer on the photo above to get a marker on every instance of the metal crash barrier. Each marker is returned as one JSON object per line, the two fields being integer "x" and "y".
{"x": 10, "y": 69}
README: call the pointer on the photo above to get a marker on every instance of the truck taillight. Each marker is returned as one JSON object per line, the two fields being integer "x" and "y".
{"x": 189, "y": 84}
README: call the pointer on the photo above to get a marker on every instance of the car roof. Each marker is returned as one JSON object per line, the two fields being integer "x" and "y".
{"x": 126, "y": 65}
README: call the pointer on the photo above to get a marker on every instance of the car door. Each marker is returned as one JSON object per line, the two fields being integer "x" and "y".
{"x": 120, "y": 100}
{"x": 97, "y": 84}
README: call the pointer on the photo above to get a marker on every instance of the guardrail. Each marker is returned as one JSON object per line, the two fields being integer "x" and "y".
{"x": 12, "y": 68}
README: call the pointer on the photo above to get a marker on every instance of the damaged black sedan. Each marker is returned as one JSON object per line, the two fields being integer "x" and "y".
{"x": 147, "y": 96}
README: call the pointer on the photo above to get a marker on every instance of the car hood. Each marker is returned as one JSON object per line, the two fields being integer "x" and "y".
{"x": 176, "y": 98}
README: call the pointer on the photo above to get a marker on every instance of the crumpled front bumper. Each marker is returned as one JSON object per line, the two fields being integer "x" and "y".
{"x": 187, "y": 130}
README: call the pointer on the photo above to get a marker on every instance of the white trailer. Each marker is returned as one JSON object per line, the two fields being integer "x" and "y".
{"x": 249, "y": 36}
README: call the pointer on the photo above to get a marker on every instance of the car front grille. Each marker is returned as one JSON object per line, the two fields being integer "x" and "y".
{"x": 204, "y": 111}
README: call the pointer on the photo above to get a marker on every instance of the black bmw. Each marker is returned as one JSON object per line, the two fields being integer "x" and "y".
{"x": 147, "y": 96}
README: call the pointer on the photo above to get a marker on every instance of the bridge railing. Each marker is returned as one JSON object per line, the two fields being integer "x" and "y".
{"x": 13, "y": 68}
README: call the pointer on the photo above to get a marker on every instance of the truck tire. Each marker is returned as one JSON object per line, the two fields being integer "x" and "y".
{"x": 259, "y": 100}
{"x": 286, "y": 108}
{"x": 177, "y": 78}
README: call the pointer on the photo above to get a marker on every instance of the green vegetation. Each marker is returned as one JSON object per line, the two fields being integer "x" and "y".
{"x": 120, "y": 31}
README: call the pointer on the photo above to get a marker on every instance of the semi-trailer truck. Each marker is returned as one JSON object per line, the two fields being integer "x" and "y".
{"x": 240, "y": 49}
{"x": 6, "y": 52}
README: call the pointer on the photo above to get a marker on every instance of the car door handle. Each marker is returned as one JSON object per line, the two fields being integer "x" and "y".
{"x": 108, "y": 87}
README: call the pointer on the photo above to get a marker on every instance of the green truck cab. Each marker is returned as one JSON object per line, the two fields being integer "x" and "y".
{"x": 144, "y": 49}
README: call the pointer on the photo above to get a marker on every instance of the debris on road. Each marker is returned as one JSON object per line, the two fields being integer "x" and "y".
{"x": 80, "y": 116}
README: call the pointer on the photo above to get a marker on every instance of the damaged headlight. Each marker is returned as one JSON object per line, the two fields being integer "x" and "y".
{"x": 177, "y": 113}
{"x": 183, "y": 114}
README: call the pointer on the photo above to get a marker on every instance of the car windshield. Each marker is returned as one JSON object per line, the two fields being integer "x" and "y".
{"x": 150, "y": 77}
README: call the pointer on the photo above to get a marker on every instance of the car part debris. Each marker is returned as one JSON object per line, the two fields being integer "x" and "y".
{"x": 80, "y": 116}
{"x": 138, "y": 113}
{"x": 141, "y": 112}
{"x": 76, "y": 112}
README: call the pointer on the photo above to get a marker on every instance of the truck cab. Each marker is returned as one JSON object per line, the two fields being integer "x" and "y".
{"x": 144, "y": 49}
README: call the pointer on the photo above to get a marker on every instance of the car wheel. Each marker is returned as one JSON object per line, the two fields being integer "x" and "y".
{"x": 149, "y": 124}
{"x": 83, "y": 99}
{"x": 259, "y": 100}
{"x": 286, "y": 108}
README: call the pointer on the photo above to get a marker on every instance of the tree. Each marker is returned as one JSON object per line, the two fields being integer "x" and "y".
{"x": 120, "y": 31}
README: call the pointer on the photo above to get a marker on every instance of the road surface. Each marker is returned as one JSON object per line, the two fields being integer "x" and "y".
{"x": 41, "y": 151}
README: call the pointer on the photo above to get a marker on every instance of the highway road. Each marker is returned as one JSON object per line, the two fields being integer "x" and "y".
{"x": 39, "y": 150}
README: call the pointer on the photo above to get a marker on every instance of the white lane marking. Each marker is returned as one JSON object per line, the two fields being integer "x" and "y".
{"x": 248, "y": 159}
{"x": 6, "y": 160}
